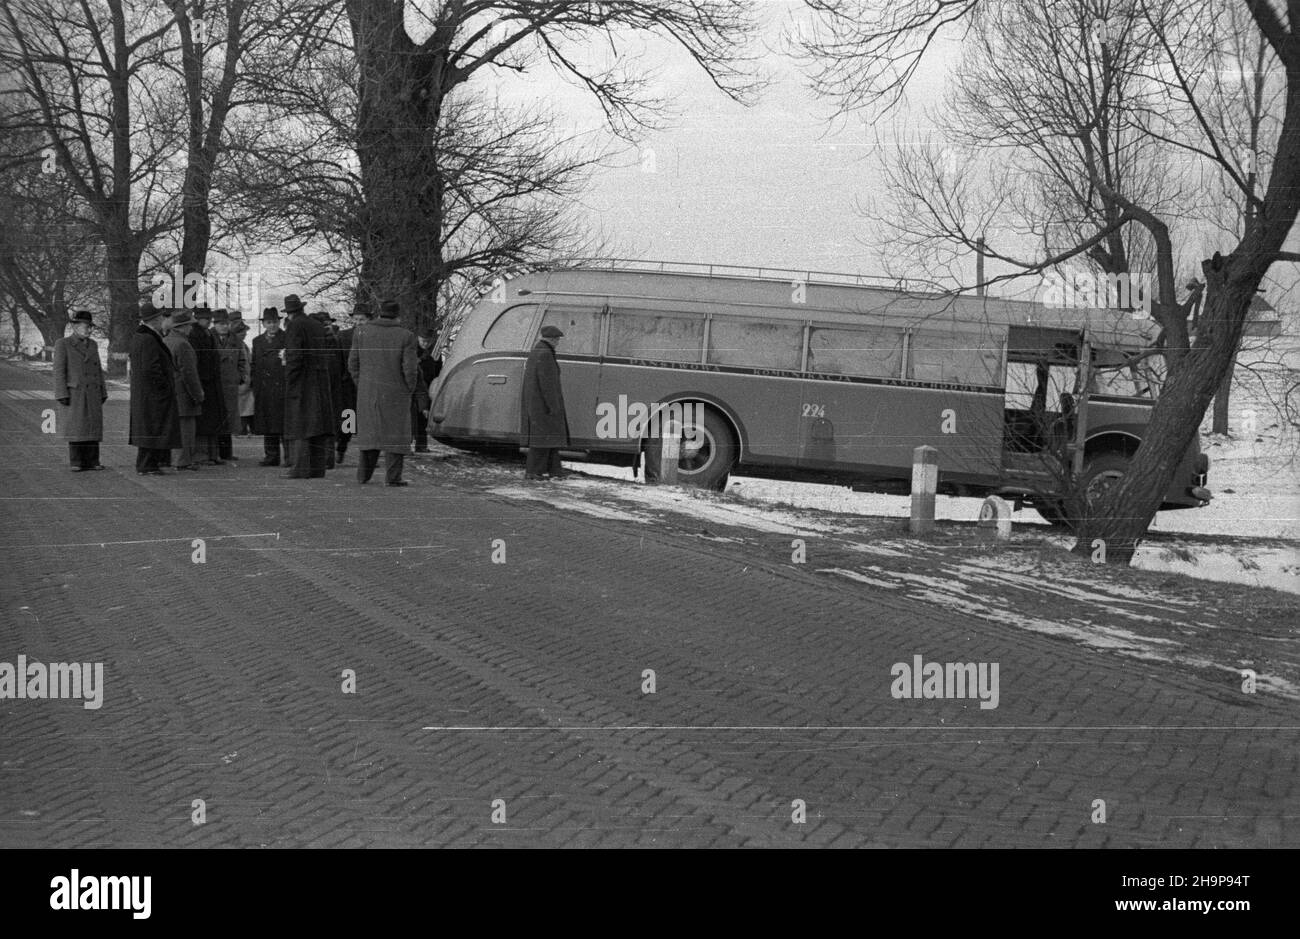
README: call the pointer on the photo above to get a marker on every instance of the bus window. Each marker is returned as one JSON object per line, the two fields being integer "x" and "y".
{"x": 512, "y": 330}
{"x": 967, "y": 358}
{"x": 755, "y": 343}
{"x": 876, "y": 353}
{"x": 651, "y": 336}
{"x": 581, "y": 329}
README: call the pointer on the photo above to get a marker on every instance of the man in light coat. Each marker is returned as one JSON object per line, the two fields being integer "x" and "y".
{"x": 79, "y": 387}
{"x": 382, "y": 363}
{"x": 544, "y": 425}
{"x": 189, "y": 387}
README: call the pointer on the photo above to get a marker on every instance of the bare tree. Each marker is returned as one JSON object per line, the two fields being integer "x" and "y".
{"x": 405, "y": 88}
{"x": 48, "y": 255}
{"x": 1148, "y": 68}
{"x": 87, "y": 99}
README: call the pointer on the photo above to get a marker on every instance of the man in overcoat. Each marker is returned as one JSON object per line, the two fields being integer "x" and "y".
{"x": 308, "y": 403}
{"x": 383, "y": 366}
{"x": 430, "y": 368}
{"x": 544, "y": 427}
{"x": 268, "y": 386}
{"x": 189, "y": 388}
{"x": 212, "y": 421}
{"x": 234, "y": 375}
{"x": 154, "y": 428}
{"x": 337, "y": 366}
{"x": 239, "y": 329}
{"x": 79, "y": 387}
{"x": 347, "y": 422}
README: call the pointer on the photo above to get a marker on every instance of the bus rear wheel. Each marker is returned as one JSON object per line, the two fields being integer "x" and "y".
{"x": 1102, "y": 472}
{"x": 708, "y": 452}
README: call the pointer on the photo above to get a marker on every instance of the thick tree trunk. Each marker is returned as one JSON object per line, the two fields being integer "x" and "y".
{"x": 1118, "y": 525}
{"x": 1222, "y": 402}
{"x": 398, "y": 110}
{"x": 123, "y": 273}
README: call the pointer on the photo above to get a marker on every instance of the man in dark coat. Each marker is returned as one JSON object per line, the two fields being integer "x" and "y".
{"x": 337, "y": 366}
{"x": 383, "y": 366}
{"x": 544, "y": 425}
{"x": 429, "y": 367}
{"x": 79, "y": 387}
{"x": 189, "y": 389}
{"x": 308, "y": 403}
{"x": 154, "y": 428}
{"x": 348, "y": 405}
{"x": 212, "y": 422}
{"x": 268, "y": 386}
{"x": 234, "y": 375}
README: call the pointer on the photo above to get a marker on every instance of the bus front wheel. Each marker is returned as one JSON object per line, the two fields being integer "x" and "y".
{"x": 708, "y": 452}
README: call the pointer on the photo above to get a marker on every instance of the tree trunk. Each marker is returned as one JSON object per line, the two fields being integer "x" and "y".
{"x": 1118, "y": 525}
{"x": 123, "y": 272}
{"x": 398, "y": 110}
{"x": 1222, "y": 403}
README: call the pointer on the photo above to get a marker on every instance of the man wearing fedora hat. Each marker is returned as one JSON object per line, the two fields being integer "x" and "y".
{"x": 308, "y": 401}
{"x": 234, "y": 374}
{"x": 154, "y": 427}
{"x": 337, "y": 366}
{"x": 239, "y": 329}
{"x": 268, "y": 386}
{"x": 79, "y": 387}
{"x": 348, "y": 403}
{"x": 383, "y": 366}
{"x": 189, "y": 388}
{"x": 544, "y": 426}
{"x": 212, "y": 420}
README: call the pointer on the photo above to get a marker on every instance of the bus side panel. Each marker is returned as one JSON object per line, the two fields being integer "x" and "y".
{"x": 767, "y": 407}
{"x": 850, "y": 426}
{"x": 580, "y": 383}
{"x": 479, "y": 400}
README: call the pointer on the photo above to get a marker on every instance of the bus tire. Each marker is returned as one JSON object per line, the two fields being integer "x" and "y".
{"x": 1103, "y": 471}
{"x": 703, "y": 465}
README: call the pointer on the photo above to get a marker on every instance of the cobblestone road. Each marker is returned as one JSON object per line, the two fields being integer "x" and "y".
{"x": 522, "y": 682}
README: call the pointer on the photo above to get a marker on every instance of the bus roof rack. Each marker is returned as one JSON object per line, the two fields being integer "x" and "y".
{"x": 786, "y": 275}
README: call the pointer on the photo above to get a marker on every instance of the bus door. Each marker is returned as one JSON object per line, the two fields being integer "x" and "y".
{"x": 578, "y": 354}
{"x": 1041, "y": 425}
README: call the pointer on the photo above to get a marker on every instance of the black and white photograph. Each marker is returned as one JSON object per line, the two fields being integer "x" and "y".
{"x": 650, "y": 424}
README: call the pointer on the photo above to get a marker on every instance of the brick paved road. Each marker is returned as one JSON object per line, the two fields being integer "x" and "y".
{"x": 223, "y": 682}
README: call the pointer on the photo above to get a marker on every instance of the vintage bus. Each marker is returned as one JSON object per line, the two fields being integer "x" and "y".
{"x": 822, "y": 378}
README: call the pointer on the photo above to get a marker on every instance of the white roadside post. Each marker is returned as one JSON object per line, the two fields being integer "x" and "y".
{"x": 670, "y": 451}
{"x": 925, "y": 480}
{"x": 995, "y": 514}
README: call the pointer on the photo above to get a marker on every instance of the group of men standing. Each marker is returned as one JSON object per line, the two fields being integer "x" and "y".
{"x": 313, "y": 390}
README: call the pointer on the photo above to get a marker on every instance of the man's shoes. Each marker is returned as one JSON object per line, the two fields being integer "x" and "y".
{"x": 400, "y": 482}
{"x": 99, "y": 466}
{"x": 78, "y": 469}
{"x": 189, "y": 466}
{"x": 269, "y": 462}
{"x": 215, "y": 462}
{"x": 152, "y": 472}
